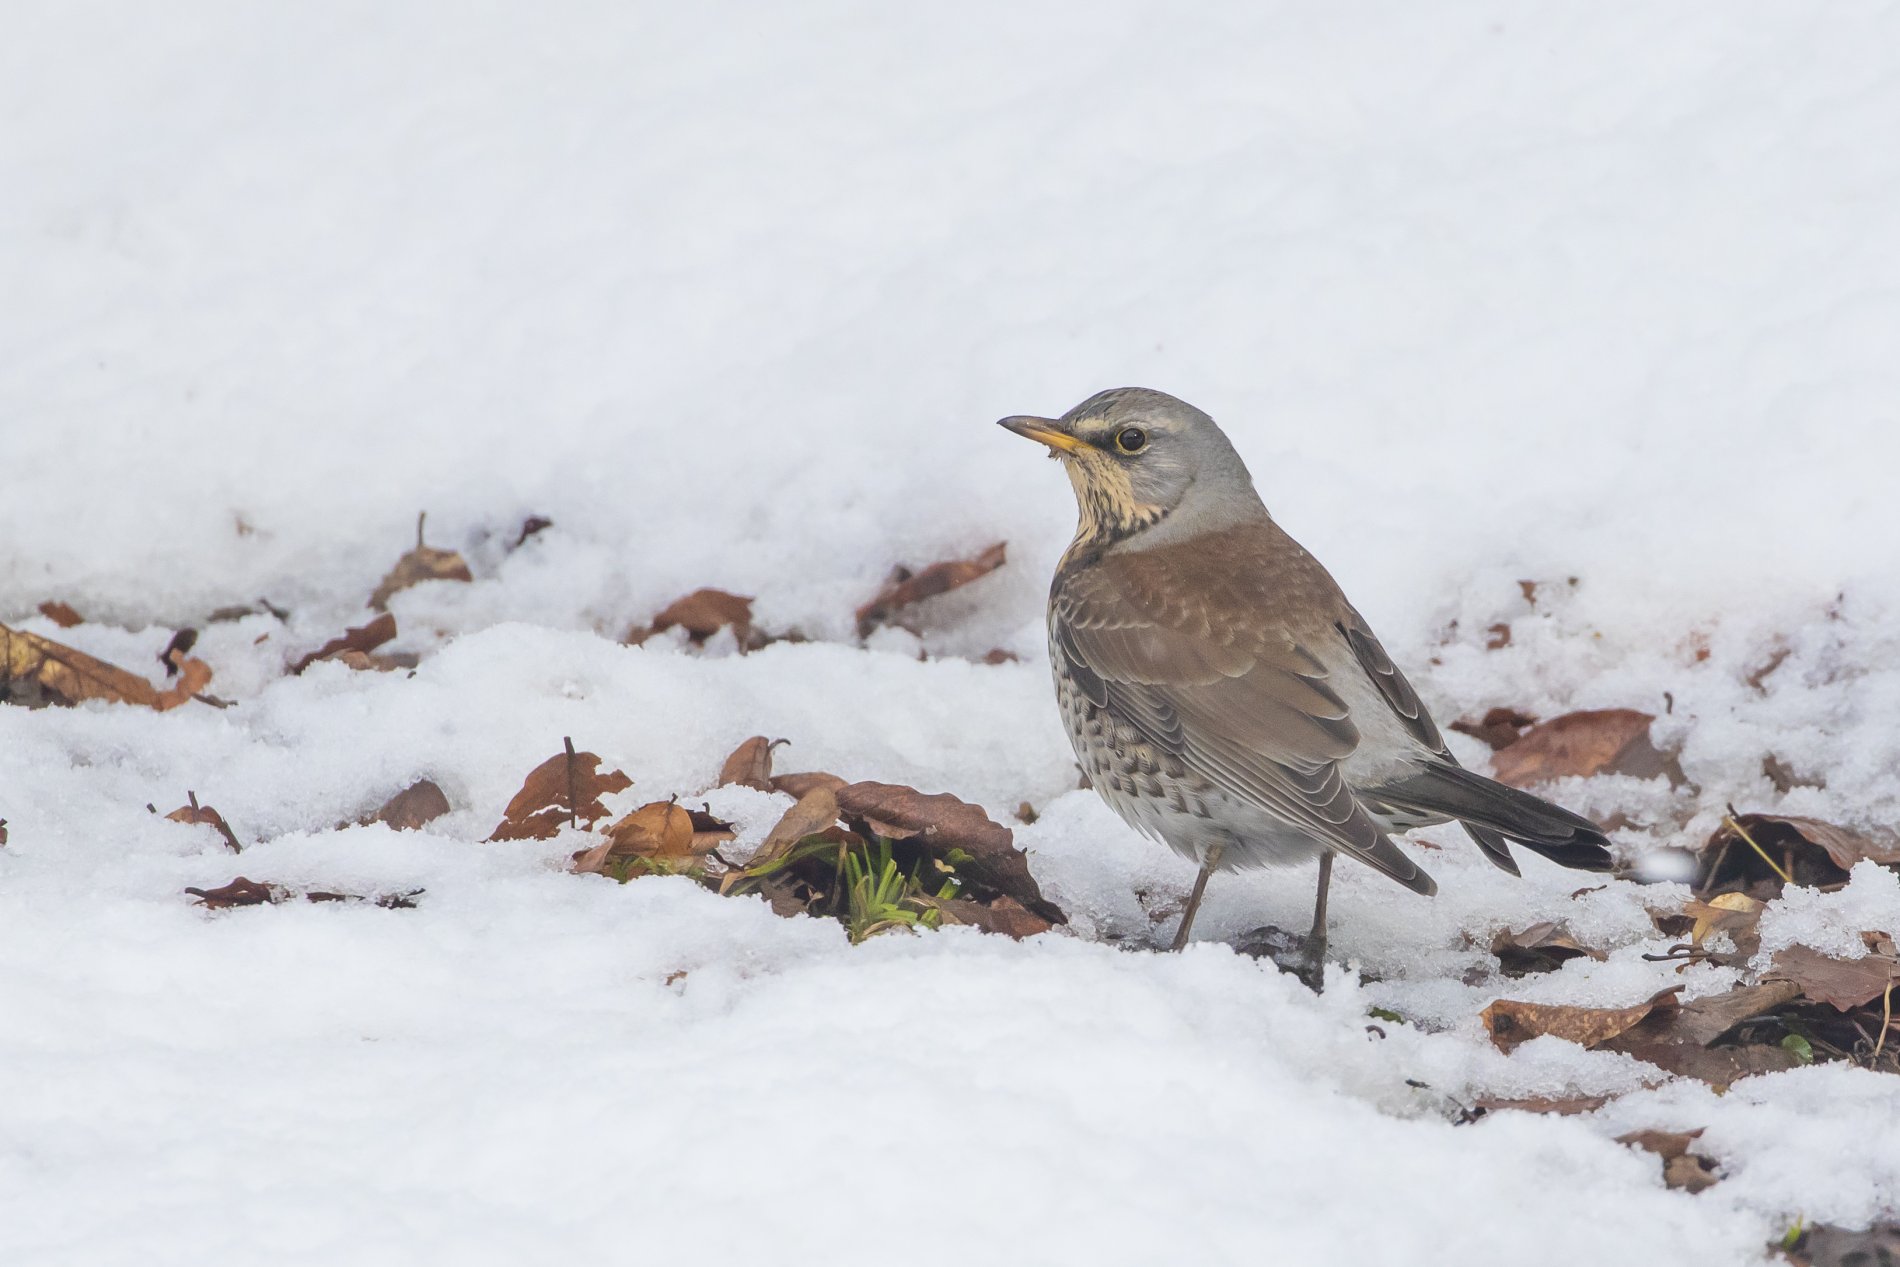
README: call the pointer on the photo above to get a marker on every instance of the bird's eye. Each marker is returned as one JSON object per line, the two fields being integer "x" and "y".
{"x": 1131, "y": 439}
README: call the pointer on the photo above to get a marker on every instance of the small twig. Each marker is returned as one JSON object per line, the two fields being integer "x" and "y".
{"x": 421, "y": 515}
{"x": 1886, "y": 1020}
{"x": 573, "y": 798}
{"x": 1734, "y": 824}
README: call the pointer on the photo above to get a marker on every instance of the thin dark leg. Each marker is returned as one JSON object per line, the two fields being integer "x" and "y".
{"x": 1194, "y": 898}
{"x": 1316, "y": 940}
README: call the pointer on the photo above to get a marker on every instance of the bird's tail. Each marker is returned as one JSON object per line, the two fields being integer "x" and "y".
{"x": 1493, "y": 813}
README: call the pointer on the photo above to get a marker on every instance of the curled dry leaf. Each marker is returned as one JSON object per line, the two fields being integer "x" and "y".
{"x": 36, "y": 671}
{"x": 1844, "y": 983}
{"x": 239, "y": 892}
{"x": 1498, "y": 728}
{"x": 1599, "y": 741}
{"x": 815, "y": 811}
{"x": 1682, "y": 1040}
{"x": 423, "y": 563}
{"x": 1542, "y": 947}
{"x": 1562, "y": 1107}
{"x": 703, "y": 613}
{"x": 3, "y": 831}
{"x": 942, "y": 823}
{"x": 564, "y": 789}
{"x": 417, "y": 805}
{"x": 203, "y": 815}
{"x": 1751, "y": 853}
{"x": 750, "y": 764}
{"x": 906, "y": 587}
{"x": 1003, "y": 915}
{"x": 1511, "y": 1023}
{"x": 61, "y": 614}
{"x": 1682, "y": 1169}
{"x": 797, "y": 785}
{"x": 363, "y": 639}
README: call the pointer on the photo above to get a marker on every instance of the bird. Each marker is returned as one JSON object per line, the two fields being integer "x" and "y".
{"x": 1221, "y": 693}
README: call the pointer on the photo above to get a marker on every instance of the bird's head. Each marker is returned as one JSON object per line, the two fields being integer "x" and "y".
{"x": 1138, "y": 457}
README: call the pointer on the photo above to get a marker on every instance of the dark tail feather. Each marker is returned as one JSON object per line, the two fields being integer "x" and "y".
{"x": 1492, "y": 812}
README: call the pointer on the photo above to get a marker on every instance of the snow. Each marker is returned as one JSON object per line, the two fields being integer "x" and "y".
{"x": 731, "y": 293}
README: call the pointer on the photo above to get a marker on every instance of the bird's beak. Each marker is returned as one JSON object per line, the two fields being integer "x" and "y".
{"x": 1043, "y": 431}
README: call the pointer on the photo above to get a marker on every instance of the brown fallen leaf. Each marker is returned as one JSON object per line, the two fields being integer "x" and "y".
{"x": 1542, "y": 947}
{"x": 36, "y": 671}
{"x": 703, "y": 613}
{"x": 563, "y": 790}
{"x": 363, "y": 638}
{"x": 1562, "y": 1107}
{"x": 815, "y": 811}
{"x": 906, "y": 587}
{"x": 1003, "y": 915}
{"x": 1844, "y": 983}
{"x": 61, "y": 614}
{"x": 750, "y": 764}
{"x": 1511, "y": 1023}
{"x": 239, "y": 892}
{"x": 797, "y": 785}
{"x": 943, "y": 824}
{"x": 3, "y": 832}
{"x": 1691, "y": 1172}
{"x": 1683, "y": 1040}
{"x": 709, "y": 832}
{"x": 1597, "y": 741}
{"x": 416, "y": 806}
{"x": 1757, "y": 854}
{"x": 1498, "y": 728}
{"x": 1735, "y": 914}
{"x": 203, "y": 815}
{"x": 423, "y": 563}
{"x": 661, "y": 831}
{"x": 529, "y": 527}
{"x": 388, "y": 901}
{"x": 996, "y": 655}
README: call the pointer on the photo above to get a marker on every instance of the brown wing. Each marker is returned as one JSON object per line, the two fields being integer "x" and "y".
{"x": 1205, "y": 673}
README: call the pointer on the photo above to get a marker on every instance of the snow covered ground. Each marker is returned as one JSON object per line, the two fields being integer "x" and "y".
{"x": 731, "y": 293}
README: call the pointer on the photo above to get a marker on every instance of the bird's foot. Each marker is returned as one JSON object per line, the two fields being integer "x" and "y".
{"x": 1303, "y": 957}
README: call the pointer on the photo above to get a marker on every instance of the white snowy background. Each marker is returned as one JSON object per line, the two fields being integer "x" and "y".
{"x": 732, "y": 293}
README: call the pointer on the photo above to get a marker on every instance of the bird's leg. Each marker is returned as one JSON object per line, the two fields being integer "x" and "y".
{"x": 1315, "y": 968}
{"x": 1208, "y": 864}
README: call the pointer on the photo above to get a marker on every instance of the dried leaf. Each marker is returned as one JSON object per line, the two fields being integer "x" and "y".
{"x": 906, "y": 587}
{"x": 659, "y": 829}
{"x": 363, "y": 638}
{"x": 1004, "y": 915}
{"x": 708, "y": 832}
{"x": 203, "y": 815}
{"x": 1681, "y": 1040}
{"x": 1510, "y": 1022}
{"x": 417, "y": 805}
{"x": 423, "y": 563}
{"x": 1814, "y": 853}
{"x": 1540, "y": 948}
{"x": 61, "y": 614}
{"x": 3, "y": 831}
{"x": 177, "y": 649}
{"x": 1563, "y": 1107}
{"x": 1736, "y": 914}
{"x": 239, "y": 892}
{"x": 797, "y": 785}
{"x": 814, "y": 812}
{"x": 942, "y": 823}
{"x": 1499, "y": 728}
{"x": 1599, "y": 741}
{"x": 529, "y": 527}
{"x": 1844, "y": 983}
{"x": 1682, "y": 1169}
{"x": 36, "y": 671}
{"x": 750, "y": 764}
{"x": 702, "y": 614}
{"x": 565, "y": 788}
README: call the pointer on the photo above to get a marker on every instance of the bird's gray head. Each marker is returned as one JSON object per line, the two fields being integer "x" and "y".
{"x": 1138, "y": 457}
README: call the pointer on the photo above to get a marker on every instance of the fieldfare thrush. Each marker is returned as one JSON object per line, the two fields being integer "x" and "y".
{"x": 1221, "y": 693}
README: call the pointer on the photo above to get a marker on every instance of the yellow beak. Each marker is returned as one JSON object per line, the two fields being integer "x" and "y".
{"x": 1043, "y": 431}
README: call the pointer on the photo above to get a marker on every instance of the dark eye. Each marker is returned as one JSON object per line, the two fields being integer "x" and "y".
{"x": 1131, "y": 439}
